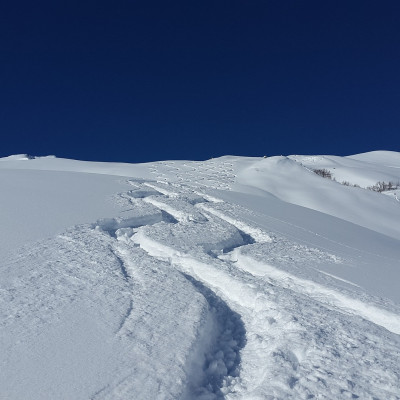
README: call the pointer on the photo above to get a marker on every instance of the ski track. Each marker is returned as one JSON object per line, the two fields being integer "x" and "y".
{"x": 249, "y": 293}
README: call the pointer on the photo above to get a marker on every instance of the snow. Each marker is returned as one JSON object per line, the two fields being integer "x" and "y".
{"x": 231, "y": 278}
{"x": 290, "y": 181}
{"x": 386, "y": 158}
{"x": 38, "y": 204}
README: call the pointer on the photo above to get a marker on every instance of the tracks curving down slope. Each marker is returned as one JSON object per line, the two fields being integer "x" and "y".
{"x": 273, "y": 334}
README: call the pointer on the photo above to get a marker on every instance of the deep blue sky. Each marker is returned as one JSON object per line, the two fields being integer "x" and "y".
{"x": 149, "y": 80}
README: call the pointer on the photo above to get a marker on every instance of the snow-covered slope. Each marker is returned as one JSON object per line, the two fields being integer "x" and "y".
{"x": 235, "y": 278}
{"x": 291, "y": 179}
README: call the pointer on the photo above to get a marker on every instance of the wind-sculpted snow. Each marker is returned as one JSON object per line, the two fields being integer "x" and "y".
{"x": 192, "y": 290}
{"x": 293, "y": 182}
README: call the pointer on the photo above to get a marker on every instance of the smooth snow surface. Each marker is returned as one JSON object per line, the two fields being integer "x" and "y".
{"x": 232, "y": 278}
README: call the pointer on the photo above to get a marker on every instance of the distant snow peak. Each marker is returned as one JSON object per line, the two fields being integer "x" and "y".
{"x": 18, "y": 157}
{"x": 23, "y": 157}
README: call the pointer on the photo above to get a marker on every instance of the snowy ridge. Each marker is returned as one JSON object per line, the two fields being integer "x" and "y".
{"x": 206, "y": 285}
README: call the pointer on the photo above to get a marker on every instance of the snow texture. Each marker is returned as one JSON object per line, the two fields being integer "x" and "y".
{"x": 232, "y": 278}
